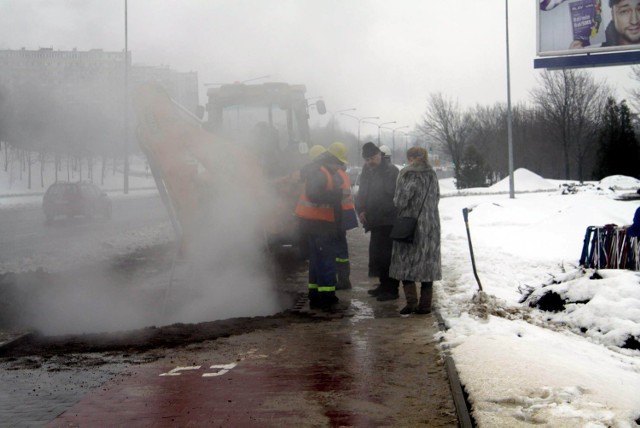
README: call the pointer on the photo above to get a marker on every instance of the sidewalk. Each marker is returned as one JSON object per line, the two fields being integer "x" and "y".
{"x": 374, "y": 368}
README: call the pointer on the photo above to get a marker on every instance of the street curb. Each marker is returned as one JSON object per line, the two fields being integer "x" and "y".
{"x": 15, "y": 341}
{"x": 457, "y": 391}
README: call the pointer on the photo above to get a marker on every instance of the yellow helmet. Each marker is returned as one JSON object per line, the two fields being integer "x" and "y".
{"x": 316, "y": 151}
{"x": 339, "y": 150}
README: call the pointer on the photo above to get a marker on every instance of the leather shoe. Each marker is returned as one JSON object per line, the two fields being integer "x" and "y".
{"x": 375, "y": 291}
{"x": 386, "y": 296}
{"x": 407, "y": 310}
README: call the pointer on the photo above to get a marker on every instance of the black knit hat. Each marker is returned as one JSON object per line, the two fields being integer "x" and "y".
{"x": 369, "y": 149}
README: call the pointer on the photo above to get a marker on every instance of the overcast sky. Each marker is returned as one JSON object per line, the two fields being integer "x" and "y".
{"x": 382, "y": 57}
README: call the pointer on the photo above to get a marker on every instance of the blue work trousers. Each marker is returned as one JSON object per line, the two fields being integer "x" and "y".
{"x": 322, "y": 263}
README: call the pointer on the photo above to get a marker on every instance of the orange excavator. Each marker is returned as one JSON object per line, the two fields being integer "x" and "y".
{"x": 252, "y": 140}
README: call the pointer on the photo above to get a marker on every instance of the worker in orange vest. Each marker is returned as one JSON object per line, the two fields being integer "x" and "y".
{"x": 349, "y": 219}
{"x": 320, "y": 212}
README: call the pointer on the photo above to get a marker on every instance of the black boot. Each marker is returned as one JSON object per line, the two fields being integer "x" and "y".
{"x": 343, "y": 270}
{"x": 330, "y": 302}
{"x": 314, "y": 299}
{"x": 390, "y": 290}
{"x": 388, "y": 295}
{"x": 376, "y": 291}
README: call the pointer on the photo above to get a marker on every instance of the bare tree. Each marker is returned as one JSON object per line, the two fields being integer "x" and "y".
{"x": 448, "y": 126}
{"x": 489, "y": 136}
{"x": 635, "y": 93}
{"x": 572, "y": 104}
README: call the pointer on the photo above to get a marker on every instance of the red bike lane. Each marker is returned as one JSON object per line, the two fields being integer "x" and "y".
{"x": 338, "y": 372}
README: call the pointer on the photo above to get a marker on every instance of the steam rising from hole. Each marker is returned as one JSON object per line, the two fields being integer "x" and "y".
{"x": 223, "y": 273}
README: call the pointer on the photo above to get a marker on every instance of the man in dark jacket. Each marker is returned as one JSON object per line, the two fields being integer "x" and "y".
{"x": 376, "y": 212}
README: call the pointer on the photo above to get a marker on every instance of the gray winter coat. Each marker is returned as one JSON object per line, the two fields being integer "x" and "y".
{"x": 419, "y": 261}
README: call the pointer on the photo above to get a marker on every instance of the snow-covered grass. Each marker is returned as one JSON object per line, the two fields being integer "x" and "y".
{"x": 14, "y": 182}
{"x": 520, "y": 365}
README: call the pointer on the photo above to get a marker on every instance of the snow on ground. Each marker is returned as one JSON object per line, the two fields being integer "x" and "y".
{"x": 520, "y": 365}
{"x": 15, "y": 191}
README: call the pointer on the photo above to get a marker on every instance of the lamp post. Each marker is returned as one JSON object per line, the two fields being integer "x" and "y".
{"x": 406, "y": 139}
{"x": 509, "y": 126}
{"x": 393, "y": 140}
{"x": 379, "y": 125}
{"x": 360, "y": 120}
{"x": 333, "y": 127}
{"x": 126, "y": 102}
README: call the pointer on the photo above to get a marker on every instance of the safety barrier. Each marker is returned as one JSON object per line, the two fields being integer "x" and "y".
{"x": 609, "y": 247}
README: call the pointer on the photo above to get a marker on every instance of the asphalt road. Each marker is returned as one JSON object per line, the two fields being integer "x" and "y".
{"x": 25, "y": 236}
{"x": 368, "y": 366}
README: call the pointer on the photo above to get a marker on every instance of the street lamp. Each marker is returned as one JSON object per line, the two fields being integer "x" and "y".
{"x": 126, "y": 101}
{"x": 393, "y": 139}
{"x": 379, "y": 125}
{"x": 406, "y": 138}
{"x": 333, "y": 127}
{"x": 360, "y": 120}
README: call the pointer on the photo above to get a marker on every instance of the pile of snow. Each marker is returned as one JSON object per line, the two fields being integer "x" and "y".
{"x": 619, "y": 182}
{"x": 524, "y": 181}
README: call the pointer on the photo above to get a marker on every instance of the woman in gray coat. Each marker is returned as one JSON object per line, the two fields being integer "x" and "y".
{"x": 417, "y": 194}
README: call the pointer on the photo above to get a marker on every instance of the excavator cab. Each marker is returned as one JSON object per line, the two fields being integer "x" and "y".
{"x": 250, "y": 141}
{"x": 269, "y": 119}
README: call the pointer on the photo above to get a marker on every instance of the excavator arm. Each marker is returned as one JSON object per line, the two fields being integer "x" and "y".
{"x": 193, "y": 168}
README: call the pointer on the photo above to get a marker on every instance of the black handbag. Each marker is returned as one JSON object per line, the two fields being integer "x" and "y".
{"x": 404, "y": 228}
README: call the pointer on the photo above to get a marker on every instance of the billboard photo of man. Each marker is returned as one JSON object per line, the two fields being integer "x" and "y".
{"x": 624, "y": 28}
{"x": 575, "y": 26}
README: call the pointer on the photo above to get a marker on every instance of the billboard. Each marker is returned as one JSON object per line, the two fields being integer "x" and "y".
{"x": 570, "y": 27}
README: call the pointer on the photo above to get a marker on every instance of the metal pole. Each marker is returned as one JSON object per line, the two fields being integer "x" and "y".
{"x": 393, "y": 145}
{"x": 509, "y": 128}
{"x": 359, "y": 150}
{"x": 126, "y": 102}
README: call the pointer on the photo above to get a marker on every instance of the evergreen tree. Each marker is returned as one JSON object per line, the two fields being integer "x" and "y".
{"x": 619, "y": 152}
{"x": 474, "y": 172}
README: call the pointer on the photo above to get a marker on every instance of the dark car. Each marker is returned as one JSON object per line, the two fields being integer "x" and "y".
{"x": 75, "y": 199}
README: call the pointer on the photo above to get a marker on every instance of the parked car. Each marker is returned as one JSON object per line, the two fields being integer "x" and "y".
{"x": 75, "y": 199}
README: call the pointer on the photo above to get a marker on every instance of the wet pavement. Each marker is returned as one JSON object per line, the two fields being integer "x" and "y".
{"x": 365, "y": 367}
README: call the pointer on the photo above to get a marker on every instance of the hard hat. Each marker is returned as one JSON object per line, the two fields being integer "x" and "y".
{"x": 316, "y": 151}
{"x": 339, "y": 150}
{"x": 386, "y": 151}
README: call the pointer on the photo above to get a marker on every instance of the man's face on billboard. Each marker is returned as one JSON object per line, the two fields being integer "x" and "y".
{"x": 626, "y": 18}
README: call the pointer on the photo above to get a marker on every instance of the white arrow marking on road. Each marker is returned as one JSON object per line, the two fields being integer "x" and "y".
{"x": 175, "y": 372}
{"x": 223, "y": 368}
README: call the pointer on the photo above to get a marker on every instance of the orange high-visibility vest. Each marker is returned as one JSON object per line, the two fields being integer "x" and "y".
{"x": 312, "y": 211}
{"x": 347, "y": 198}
